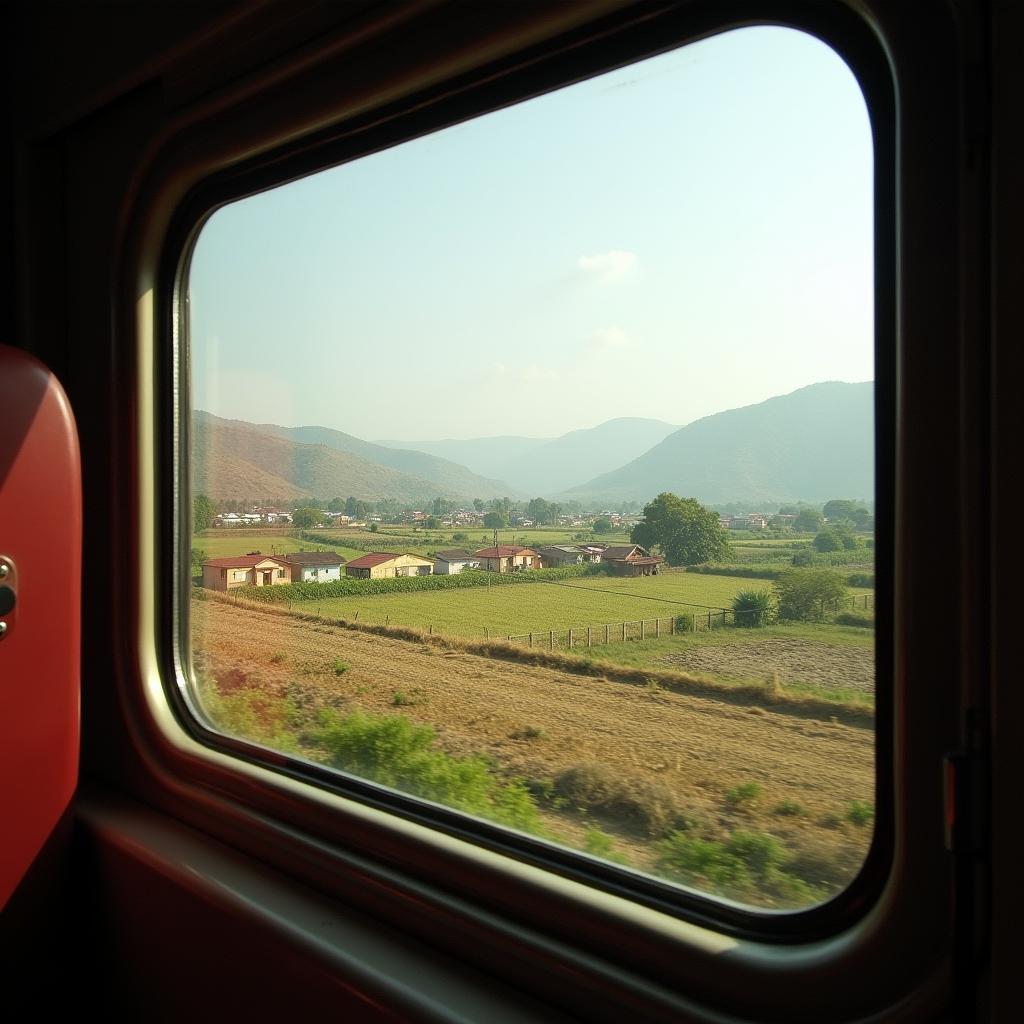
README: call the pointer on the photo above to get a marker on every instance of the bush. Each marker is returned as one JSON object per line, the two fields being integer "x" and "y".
{"x": 863, "y": 619}
{"x": 349, "y": 586}
{"x": 684, "y": 623}
{"x": 747, "y": 864}
{"x": 746, "y": 794}
{"x": 859, "y": 812}
{"x": 396, "y": 752}
{"x": 807, "y": 594}
{"x": 754, "y": 608}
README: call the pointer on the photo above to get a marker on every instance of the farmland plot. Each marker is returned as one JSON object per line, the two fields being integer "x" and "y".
{"x": 726, "y": 768}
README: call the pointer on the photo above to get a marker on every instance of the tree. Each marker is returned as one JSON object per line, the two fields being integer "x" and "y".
{"x": 808, "y": 593}
{"x": 685, "y": 531}
{"x": 809, "y": 520}
{"x": 495, "y": 521}
{"x": 478, "y": 504}
{"x": 203, "y": 511}
{"x": 388, "y": 508}
{"x": 198, "y": 556}
{"x": 336, "y": 505}
{"x": 842, "y": 508}
{"x": 602, "y": 524}
{"x": 306, "y": 517}
{"x": 542, "y": 512}
{"x": 431, "y": 522}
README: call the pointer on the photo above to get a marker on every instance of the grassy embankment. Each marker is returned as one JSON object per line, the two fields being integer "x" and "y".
{"x": 762, "y": 797}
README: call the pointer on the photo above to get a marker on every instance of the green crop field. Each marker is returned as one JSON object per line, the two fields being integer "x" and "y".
{"x": 542, "y": 606}
{"x": 227, "y": 546}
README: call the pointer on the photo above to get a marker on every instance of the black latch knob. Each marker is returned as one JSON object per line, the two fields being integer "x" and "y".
{"x": 7, "y": 600}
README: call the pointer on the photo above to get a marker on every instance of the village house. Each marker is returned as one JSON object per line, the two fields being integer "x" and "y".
{"x": 447, "y": 563}
{"x": 248, "y": 570}
{"x": 316, "y": 566}
{"x": 552, "y": 555}
{"x": 383, "y": 564}
{"x": 507, "y": 558}
{"x": 631, "y": 560}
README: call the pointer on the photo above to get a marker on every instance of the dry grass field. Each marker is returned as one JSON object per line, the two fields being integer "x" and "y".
{"x": 720, "y": 764}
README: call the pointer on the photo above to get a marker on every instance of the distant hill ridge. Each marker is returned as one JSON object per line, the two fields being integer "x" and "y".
{"x": 539, "y": 466}
{"x": 232, "y": 459}
{"x": 812, "y": 444}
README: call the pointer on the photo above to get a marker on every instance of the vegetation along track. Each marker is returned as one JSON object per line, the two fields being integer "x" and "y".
{"x": 539, "y": 722}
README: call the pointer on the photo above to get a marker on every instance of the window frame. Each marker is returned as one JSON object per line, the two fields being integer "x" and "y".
{"x": 211, "y": 769}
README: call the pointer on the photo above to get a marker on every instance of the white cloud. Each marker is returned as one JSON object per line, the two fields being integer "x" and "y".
{"x": 607, "y": 267}
{"x": 608, "y": 338}
{"x": 528, "y": 373}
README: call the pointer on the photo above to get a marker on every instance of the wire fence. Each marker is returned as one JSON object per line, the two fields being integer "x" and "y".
{"x": 701, "y": 620}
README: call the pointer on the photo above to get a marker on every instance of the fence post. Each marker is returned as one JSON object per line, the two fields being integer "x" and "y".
{"x": 551, "y": 639}
{"x": 588, "y": 636}
{"x": 387, "y": 620}
{"x": 430, "y": 629}
{"x": 570, "y": 639}
{"x": 709, "y": 622}
{"x": 531, "y": 639}
{"x": 643, "y": 629}
{"x": 672, "y": 626}
{"x": 606, "y": 632}
{"x": 623, "y": 631}
{"x": 657, "y": 629}
{"x": 487, "y": 635}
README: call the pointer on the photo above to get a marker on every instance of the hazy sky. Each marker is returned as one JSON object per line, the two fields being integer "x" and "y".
{"x": 686, "y": 235}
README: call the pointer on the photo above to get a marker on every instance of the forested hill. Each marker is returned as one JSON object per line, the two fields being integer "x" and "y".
{"x": 809, "y": 445}
{"x": 234, "y": 460}
{"x": 449, "y": 478}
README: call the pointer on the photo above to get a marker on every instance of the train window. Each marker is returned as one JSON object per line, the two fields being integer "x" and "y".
{"x": 531, "y": 472}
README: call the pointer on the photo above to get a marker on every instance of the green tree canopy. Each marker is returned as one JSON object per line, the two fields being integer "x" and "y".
{"x": 602, "y": 524}
{"x": 842, "y": 508}
{"x": 203, "y": 511}
{"x": 685, "y": 531}
{"x": 306, "y": 517}
{"x": 809, "y": 520}
{"x": 835, "y": 538}
{"x": 808, "y": 593}
{"x": 495, "y": 520}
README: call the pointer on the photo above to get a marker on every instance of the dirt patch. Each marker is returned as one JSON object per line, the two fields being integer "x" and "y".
{"x": 794, "y": 659}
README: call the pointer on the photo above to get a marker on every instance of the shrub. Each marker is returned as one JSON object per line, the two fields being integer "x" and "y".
{"x": 339, "y": 667}
{"x": 863, "y": 619}
{"x": 600, "y": 844}
{"x": 747, "y": 864}
{"x": 684, "y": 623}
{"x": 860, "y": 812}
{"x": 789, "y": 809}
{"x": 633, "y": 801}
{"x": 807, "y": 593}
{"x": 754, "y": 608}
{"x": 350, "y": 586}
{"x": 746, "y": 794}
{"x": 277, "y": 657}
{"x": 861, "y": 579}
{"x": 396, "y": 752}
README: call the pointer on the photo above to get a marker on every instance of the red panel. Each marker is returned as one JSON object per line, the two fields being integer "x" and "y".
{"x": 40, "y": 563}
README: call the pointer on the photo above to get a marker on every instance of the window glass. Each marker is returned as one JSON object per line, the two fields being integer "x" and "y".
{"x": 592, "y": 484}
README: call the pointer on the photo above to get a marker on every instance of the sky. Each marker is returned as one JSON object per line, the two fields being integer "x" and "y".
{"x": 689, "y": 234}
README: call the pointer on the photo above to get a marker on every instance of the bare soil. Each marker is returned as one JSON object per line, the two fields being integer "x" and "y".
{"x": 537, "y": 723}
{"x": 793, "y": 659}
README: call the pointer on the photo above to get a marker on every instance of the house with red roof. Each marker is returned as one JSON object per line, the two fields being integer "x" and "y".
{"x": 383, "y": 564}
{"x": 507, "y": 558}
{"x": 253, "y": 569}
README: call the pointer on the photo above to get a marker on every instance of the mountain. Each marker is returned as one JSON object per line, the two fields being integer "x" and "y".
{"x": 542, "y": 467}
{"x": 448, "y": 478}
{"x": 813, "y": 444}
{"x": 582, "y": 454}
{"x": 484, "y": 455}
{"x": 232, "y": 459}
